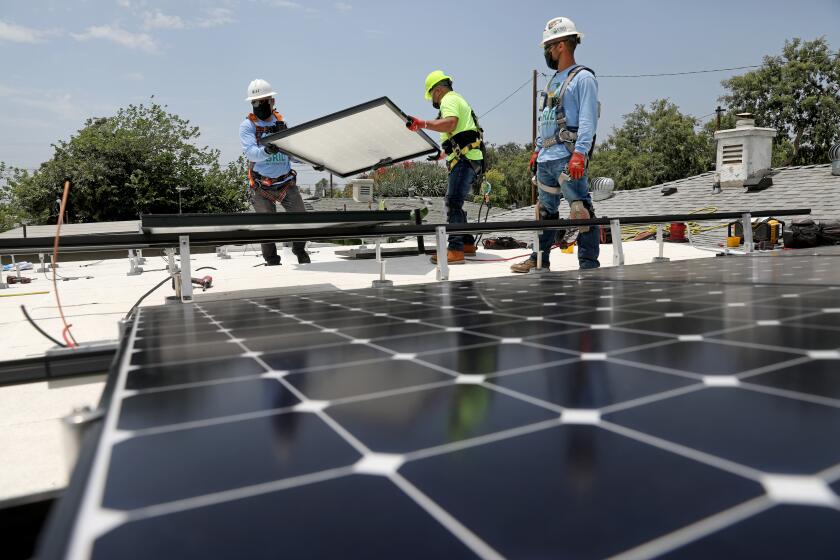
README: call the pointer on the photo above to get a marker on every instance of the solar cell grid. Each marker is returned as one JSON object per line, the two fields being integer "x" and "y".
{"x": 623, "y": 418}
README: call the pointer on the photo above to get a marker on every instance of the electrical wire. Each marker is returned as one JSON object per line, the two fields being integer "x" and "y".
{"x": 501, "y": 259}
{"x": 68, "y": 336}
{"x": 690, "y": 72}
{"x": 144, "y": 296}
{"x": 39, "y": 329}
{"x": 505, "y": 99}
{"x": 678, "y": 73}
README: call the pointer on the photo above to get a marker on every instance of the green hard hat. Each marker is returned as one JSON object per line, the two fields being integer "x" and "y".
{"x": 434, "y": 79}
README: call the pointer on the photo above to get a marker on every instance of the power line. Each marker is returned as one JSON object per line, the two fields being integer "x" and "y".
{"x": 528, "y": 81}
{"x": 677, "y": 73}
{"x": 669, "y": 73}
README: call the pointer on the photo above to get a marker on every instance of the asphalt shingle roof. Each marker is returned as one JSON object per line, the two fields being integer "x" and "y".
{"x": 811, "y": 186}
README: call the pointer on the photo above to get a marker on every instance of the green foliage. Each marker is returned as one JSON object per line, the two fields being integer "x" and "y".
{"x": 321, "y": 187}
{"x": 798, "y": 94}
{"x": 410, "y": 178}
{"x": 8, "y": 215}
{"x": 655, "y": 144}
{"x": 129, "y": 164}
{"x": 511, "y": 162}
{"x": 499, "y": 195}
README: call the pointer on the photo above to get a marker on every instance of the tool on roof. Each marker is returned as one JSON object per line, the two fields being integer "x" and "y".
{"x": 204, "y": 283}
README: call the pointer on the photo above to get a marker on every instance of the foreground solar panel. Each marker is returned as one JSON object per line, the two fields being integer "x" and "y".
{"x": 538, "y": 416}
{"x": 355, "y": 140}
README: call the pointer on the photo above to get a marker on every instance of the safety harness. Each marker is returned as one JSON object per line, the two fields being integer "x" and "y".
{"x": 564, "y": 134}
{"x": 260, "y": 183}
{"x": 462, "y": 143}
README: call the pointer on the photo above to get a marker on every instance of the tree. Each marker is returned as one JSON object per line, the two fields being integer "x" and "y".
{"x": 410, "y": 178}
{"x": 798, "y": 94}
{"x": 128, "y": 164}
{"x": 511, "y": 162}
{"x": 655, "y": 144}
{"x": 8, "y": 215}
{"x": 321, "y": 187}
{"x": 499, "y": 195}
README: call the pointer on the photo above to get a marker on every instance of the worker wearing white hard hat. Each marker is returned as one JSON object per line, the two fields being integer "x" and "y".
{"x": 270, "y": 174}
{"x": 567, "y": 121}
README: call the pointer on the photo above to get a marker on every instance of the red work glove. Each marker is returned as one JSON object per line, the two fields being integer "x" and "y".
{"x": 532, "y": 165}
{"x": 577, "y": 166}
{"x": 414, "y": 124}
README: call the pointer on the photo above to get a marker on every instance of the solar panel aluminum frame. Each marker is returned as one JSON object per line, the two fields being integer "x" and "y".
{"x": 191, "y": 223}
{"x": 382, "y": 101}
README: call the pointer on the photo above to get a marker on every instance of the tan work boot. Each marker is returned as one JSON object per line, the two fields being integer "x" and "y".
{"x": 579, "y": 212}
{"x": 452, "y": 257}
{"x": 526, "y": 266}
{"x": 469, "y": 249}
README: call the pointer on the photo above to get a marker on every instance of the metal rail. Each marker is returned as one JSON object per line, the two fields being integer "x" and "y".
{"x": 125, "y": 241}
{"x": 184, "y": 238}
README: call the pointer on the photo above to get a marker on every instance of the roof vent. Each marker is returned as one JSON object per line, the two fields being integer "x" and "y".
{"x": 743, "y": 152}
{"x": 363, "y": 190}
{"x": 834, "y": 155}
{"x": 602, "y": 188}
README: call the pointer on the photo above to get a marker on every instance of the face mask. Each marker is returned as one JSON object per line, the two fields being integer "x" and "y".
{"x": 435, "y": 105}
{"x": 552, "y": 64}
{"x": 263, "y": 110}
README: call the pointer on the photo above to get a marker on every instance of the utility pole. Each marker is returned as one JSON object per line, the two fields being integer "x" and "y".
{"x": 331, "y": 185}
{"x": 534, "y": 127}
{"x": 719, "y": 111}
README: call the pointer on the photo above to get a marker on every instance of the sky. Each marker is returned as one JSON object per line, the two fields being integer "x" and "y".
{"x": 63, "y": 61}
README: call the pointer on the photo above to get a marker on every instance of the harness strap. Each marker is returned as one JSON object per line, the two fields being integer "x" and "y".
{"x": 564, "y": 134}
{"x": 258, "y": 132}
{"x": 462, "y": 151}
{"x": 465, "y": 141}
{"x": 546, "y": 188}
{"x": 261, "y": 184}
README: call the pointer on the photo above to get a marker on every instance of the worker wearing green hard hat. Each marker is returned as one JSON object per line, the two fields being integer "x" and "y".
{"x": 433, "y": 79}
{"x": 463, "y": 143}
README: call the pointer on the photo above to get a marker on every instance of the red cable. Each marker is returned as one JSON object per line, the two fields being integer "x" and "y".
{"x": 66, "y": 332}
{"x": 509, "y": 258}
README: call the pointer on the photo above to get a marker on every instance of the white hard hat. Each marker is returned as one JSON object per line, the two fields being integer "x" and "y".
{"x": 559, "y": 27}
{"x": 258, "y": 89}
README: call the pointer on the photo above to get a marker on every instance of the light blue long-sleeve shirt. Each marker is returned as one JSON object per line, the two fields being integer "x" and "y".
{"x": 581, "y": 105}
{"x": 267, "y": 165}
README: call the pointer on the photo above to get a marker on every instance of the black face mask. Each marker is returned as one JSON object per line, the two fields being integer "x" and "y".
{"x": 262, "y": 110}
{"x": 435, "y": 105}
{"x": 552, "y": 64}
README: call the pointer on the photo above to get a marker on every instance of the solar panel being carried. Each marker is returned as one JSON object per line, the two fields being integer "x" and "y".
{"x": 355, "y": 140}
